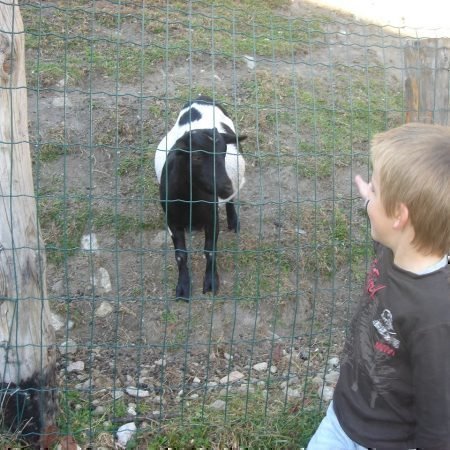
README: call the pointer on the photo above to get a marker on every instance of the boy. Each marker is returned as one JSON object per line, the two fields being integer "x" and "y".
{"x": 393, "y": 392}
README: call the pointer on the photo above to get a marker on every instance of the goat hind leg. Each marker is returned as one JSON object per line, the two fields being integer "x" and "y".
{"x": 183, "y": 290}
{"x": 232, "y": 217}
{"x": 211, "y": 280}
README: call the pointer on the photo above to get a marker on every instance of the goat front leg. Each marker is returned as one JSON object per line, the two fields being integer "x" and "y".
{"x": 211, "y": 280}
{"x": 183, "y": 290}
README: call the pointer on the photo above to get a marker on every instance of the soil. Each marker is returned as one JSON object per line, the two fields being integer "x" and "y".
{"x": 303, "y": 317}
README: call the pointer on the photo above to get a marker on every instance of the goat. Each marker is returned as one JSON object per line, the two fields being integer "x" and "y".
{"x": 198, "y": 166}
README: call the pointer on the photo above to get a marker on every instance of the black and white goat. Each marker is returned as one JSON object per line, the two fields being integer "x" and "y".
{"x": 198, "y": 166}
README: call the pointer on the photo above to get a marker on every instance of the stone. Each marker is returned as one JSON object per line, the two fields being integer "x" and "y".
{"x": 56, "y": 321}
{"x": 136, "y": 392}
{"x": 89, "y": 242}
{"x": 332, "y": 377}
{"x": 77, "y": 366}
{"x": 102, "y": 281}
{"x": 261, "y": 367}
{"x": 232, "y": 377}
{"x": 326, "y": 393}
{"x": 104, "y": 309}
{"x": 68, "y": 347}
{"x": 218, "y": 405}
{"x": 125, "y": 434}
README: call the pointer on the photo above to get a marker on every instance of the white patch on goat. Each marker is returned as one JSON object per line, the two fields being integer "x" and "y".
{"x": 211, "y": 117}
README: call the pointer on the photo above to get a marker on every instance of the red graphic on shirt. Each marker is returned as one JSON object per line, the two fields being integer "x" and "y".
{"x": 372, "y": 286}
{"x": 380, "y": 346}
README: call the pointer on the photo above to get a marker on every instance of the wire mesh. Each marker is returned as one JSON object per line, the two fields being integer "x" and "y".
{"x": 106, "y": 80}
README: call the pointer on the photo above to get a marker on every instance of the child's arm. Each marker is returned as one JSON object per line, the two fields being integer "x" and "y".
{"x": 363, "y": 188}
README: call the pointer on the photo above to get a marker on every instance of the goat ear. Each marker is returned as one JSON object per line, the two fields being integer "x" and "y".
{"x": 231, "y": 138}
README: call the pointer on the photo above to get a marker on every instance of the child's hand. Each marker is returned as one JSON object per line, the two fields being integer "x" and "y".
{"x": 363, "y": 188}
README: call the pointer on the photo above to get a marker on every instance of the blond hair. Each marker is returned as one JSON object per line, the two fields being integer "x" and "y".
{"x": 413, "y": 163}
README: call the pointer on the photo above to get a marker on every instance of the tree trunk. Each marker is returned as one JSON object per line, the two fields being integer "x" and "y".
{"x": 27, "y": 343}
{"x": 427, "y": 63}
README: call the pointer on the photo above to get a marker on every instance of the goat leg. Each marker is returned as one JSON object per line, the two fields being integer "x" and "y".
{"x": 211, "y": 280}
{"x": 232, "y": 217}
{"x": 183, "y": 290}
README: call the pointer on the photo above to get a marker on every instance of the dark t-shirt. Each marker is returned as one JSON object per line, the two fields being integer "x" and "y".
{"x": 394, "y": 385}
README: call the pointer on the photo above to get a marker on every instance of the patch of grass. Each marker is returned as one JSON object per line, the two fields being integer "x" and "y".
{"x": 247, "y": 424}
{"x": 108, "y": 219}
{"x": 329, "y": 245}
{"x": 63, "y": 222}
{"x": 138, "y": 169}
{"x": 82, "y": 40}
{"x": 76, "y": 416}
{"x": 51, "y": 147}
{"x": 326, "y": 130}
{"x": 260, "y": 270}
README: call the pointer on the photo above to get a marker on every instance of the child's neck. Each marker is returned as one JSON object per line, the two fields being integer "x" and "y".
{"x": 408, "y": 258}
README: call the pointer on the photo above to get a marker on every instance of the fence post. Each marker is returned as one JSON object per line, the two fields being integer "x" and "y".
{"x": 27, "y": 342}
{"x": 427, "y": 63}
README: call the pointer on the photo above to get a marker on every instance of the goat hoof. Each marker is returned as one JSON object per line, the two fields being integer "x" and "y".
{"x": 183, "y": 294}
{"x": 233, "y": 226}
{"x": 209, "y": 286}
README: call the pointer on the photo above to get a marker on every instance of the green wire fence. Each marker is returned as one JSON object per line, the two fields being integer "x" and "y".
{"x": 254, "y": 365}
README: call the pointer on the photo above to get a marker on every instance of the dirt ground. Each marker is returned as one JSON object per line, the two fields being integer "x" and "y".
{"x": 303, "y": 316}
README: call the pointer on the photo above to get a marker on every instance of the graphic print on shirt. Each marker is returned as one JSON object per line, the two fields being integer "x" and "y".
{"x": 373, "y": 340}
{"x": 388, "y": 343}
{"x": 371, "y": 286}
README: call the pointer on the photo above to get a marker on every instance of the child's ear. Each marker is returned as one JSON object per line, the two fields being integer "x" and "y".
{"x": 401, "y": 217}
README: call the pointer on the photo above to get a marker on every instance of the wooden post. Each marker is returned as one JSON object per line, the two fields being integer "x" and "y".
{"x": 427, "y": 63}
{"x": 27, "y": 342}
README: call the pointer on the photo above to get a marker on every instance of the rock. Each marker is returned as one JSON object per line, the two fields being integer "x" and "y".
{"x": 273, "y": 369}
{"x": 294, "y": 393}
{"x": 303, "y": 355}
{"x": 333, "y": 363}
{"x": 104, "y": 309}
{"x": 56, "y": 321}
{"x": 260, "y": 367}
{"x": 326, "y": 393}
{"x": 158, "y": 399}
{"x": 244, "y": 388}
{"x": 68, "y": 347}
{"x": 102, "y": 281}
{"x": 77, "y": 366}
{"x": 99, "y": 411}
{"x": 89, "y": 242}
{"x": 232, "y": 377}
{"x": 332, "y": 377}
{"x": 196, "y": 380}
{"x": 218, "y": 405}
{"x": 250, "y": 61}
{"x": 136, "y": 392}
{"x": 125, "y": 433}
{"x": 117, "y": 393}
{"x": 85, "y": 386}
{"x": 131, "y": 410}
{"x": 318, "y": 381}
